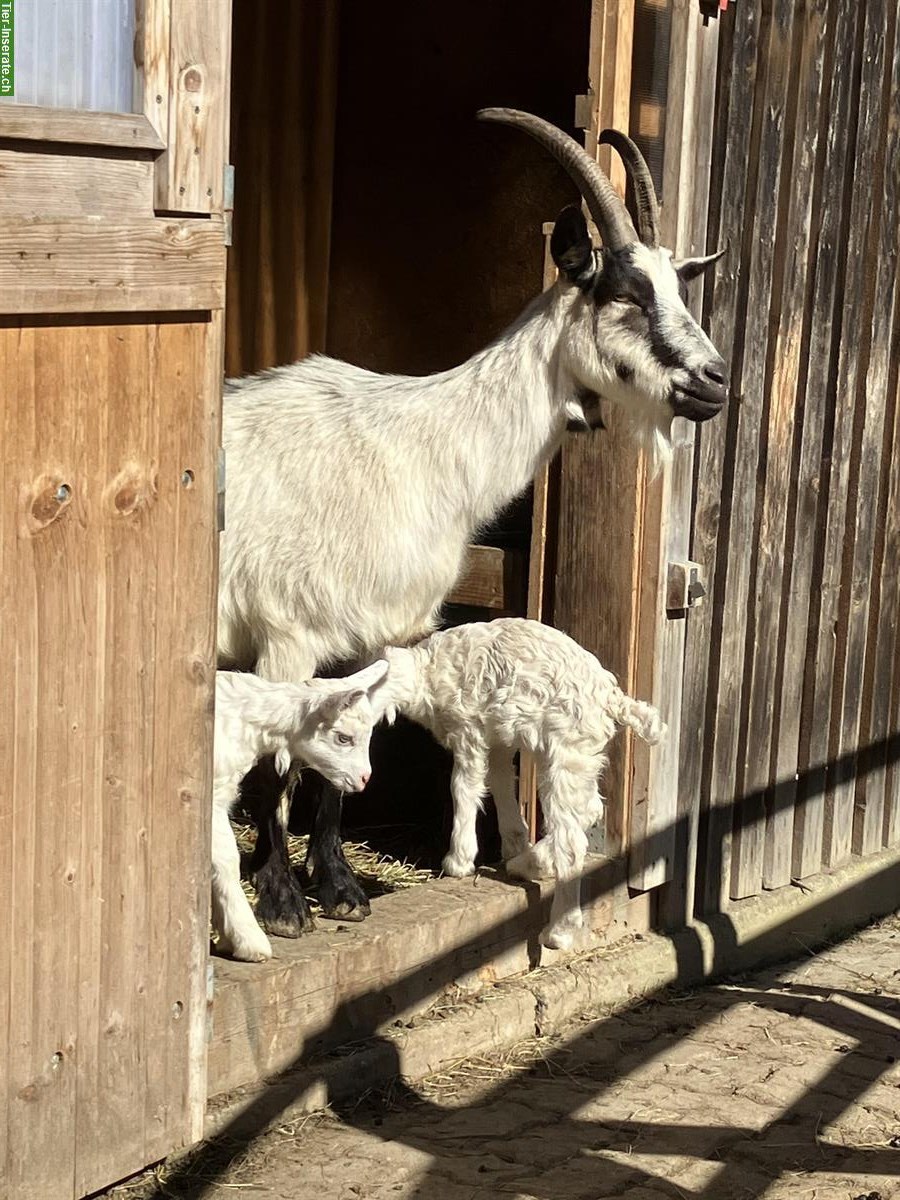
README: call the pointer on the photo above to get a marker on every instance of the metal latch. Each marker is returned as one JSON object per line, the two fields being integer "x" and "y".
{"x": 584, "y": 111}
{"x": 684, "y": 587}
{"x": 228, "y": 204}
{"x": 220, "y": 490}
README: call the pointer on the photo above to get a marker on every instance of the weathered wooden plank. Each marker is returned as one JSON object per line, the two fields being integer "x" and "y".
{"x": 9, "y": 418}
{"x": 537, "y": 574}
{"x": 109, "y": 767}
{"x": 712, "y": 513}
{"x": 41, "y": 544}
{"x": 660, "y": 650}
{"x": 818, "y": 363}
{"x": 881, "y": 784}
{"x": 151, "y": 46}
{"x": 738, "y": 637}
{"x": 128, "y": 131}
{"x": 492, "y": 578}
{"x": 868, "y": 496}
{"x": 806, "y": 70}
{"x": 676, "y": 905}
{"x": 110, "y": 1128}
{"x": 190, "y": 175}
{"x": 855, "y": 335}
{"x": 182, "y": 779}
{"x": 41, "y": 184}
{"x": 604, "y": 474}
{"x": 95, "y": 265}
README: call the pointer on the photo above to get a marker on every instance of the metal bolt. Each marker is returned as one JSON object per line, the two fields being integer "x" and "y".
{"x": 187, "y": 477}
{"x": 63, "y": 492}
{"x": 56, "y": 1061}
{"x": 177, "y": 1010}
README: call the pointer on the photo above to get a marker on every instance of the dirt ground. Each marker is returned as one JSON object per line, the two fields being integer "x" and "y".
{"x": 782, "y": 1084}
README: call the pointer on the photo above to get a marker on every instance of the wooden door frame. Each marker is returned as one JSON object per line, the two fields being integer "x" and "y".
{"x": 611, "y": 594}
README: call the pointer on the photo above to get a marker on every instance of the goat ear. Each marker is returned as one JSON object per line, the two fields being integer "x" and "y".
{"x": 689, "y": 268}
{"x": 343, "y": 700}
{"x": 571, "y": 246}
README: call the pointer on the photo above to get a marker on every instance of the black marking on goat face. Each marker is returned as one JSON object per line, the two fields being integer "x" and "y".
{"x": 621, "y": 280}
{"x": 624, "y": 372}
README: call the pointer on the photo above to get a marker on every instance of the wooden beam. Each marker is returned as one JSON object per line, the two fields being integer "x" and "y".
{"x": 492, "y": 578}
{"x": 90, "y": 266}
{"x": 190, "y": 175}
{"x": 601, "y": 474}
{"x": 35, "y": 183}
{"x": 128, "y": 131}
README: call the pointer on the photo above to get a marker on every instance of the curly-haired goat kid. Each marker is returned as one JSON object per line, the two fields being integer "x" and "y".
{"x": 489, "y": 689}
{"x": 325, "y": 724}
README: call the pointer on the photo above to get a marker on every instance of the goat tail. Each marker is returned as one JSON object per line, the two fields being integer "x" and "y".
{"x": 643, "y": 718}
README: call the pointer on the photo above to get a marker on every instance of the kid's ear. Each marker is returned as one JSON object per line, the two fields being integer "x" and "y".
{"x": 335, "y": 705}
{"x": 370, "y": 677}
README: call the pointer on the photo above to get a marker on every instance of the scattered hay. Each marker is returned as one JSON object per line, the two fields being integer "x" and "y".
{"x": 378, "y": 874}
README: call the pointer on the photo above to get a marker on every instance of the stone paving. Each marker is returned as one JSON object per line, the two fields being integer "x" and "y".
{"x": 784, "y": 1084}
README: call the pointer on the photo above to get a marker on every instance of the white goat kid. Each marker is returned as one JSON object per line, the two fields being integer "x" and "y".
{"x": 326, "y": 724}
{"x": 487, "y": 690}
{"x": 352, "y": 496}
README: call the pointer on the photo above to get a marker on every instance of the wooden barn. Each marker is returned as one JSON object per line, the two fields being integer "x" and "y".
{"x": 185, "y": 190}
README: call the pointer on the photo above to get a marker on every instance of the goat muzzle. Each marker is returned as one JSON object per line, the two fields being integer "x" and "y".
{"x": 700, "y": 401}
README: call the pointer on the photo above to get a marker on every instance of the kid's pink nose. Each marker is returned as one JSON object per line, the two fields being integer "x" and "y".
{"x": 364, "y": 778}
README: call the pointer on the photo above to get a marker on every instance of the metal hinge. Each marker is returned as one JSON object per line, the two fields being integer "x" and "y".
{"x": 220, "y": 489}
{"x": 228, "y": 203}
{"x": 584, "y": 111}
{"x": 684, "y": 587}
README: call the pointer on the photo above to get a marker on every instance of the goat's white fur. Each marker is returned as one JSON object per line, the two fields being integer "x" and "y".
{"x": 352, "y": 496}
{"x": 487, "y": 690}
{"x": 326, "y": 724}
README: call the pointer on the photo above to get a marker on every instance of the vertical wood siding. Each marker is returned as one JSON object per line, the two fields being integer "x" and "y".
{"x": 793, "y": 682}
{"x": 108, "y": 562}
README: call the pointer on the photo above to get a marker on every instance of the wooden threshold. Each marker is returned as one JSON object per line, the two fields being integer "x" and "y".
{"x": 344, "y": 982}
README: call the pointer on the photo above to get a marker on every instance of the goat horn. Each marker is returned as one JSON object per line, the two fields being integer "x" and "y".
{"x": 641, "y": 181}
{"x": 609, "y": 213}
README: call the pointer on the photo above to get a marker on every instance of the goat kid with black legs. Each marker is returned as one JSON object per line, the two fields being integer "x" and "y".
{"x": 352, "y": 496}
{"x": 490, "y": 689}
{"x": 325, "y": 723}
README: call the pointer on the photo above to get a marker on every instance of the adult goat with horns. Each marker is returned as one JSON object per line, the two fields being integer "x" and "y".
{"x": 352, "y": 496}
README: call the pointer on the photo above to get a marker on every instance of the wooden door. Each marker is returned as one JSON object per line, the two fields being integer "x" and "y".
{"x": 615, "y": 577}
{"x": 112, "y": 281}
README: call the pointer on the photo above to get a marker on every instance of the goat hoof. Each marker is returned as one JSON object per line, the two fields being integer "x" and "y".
{"x": 287, "y": 925}
{"x": 281, "y": 907}
{"x": 339, "y": 893}
{"x": 257, "y": 950}
{"x": 514, "y": 845}
{"x": 457, "y": 868}
{"x": 558, "y": 939}
{"x": 344, "y": 912}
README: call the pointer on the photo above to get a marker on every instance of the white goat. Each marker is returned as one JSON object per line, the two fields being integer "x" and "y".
{"x": 489, "y": 689}
{"x": 326, "y": 724}
{"x": 352, "y": 496}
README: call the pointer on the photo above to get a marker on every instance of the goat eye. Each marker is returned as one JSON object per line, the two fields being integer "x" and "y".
{"x": 344, "y": 739}
{"x": 623, "y": 299}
